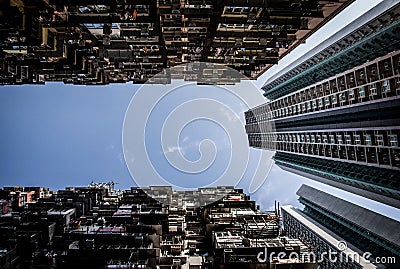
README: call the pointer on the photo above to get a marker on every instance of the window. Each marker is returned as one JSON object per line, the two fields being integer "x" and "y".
{"x": 334, "y": 85}
{"x": 386, "y": 65}
{"x": 342, "y": 97}
{"x": 348, "y": 139}
{"x": 379, "y": 140}
{"x": 320, "y": 103}
{"x": 386, "y": 86}
{"x": 332, "y": 139}
{"x": 373, "y": 71}
{"x": 327, "y": 87}
{"x": 312, "y": 138}
{"x": 372, "y": 90}
{"x": 368, "y": 140}
{"x": 314, "y": 104}
{"x": 315, "y": 91}
{"x": 351, "y": 94}
{"x": 308, "y": 138}
{"x": 362, "y": 75}
{"x": 318, "y": 138}
{"x": 327, "y": 101}
{"x": 393, "y": 141}
{"x": 357, "y": 139}
{"x": 334, "y": 99}
{"x": 339, "y": 139}
{"x": 325, "y": 139}
{"x": 361, "y": 92}
{"x": 341, "y": 82}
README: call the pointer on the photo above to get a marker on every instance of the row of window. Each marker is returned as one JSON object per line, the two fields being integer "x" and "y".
{"x": 386, "y": 88}
{"x": 377, "y": 139}
{"x": 296, "y": 229}
{"x": 345, "y": 173}
{"x": 362, "y": 94}
{"x": 356, "y": 95}
{"x": 385, "y": 68}
{"x": 388, "y": 156}
{"x": 377, "y": 80}
{"x": 380, "y": 156}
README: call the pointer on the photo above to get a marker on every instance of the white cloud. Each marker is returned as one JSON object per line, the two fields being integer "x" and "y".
{"x": 172, "y": 149}
{"x": 228, "y": 114}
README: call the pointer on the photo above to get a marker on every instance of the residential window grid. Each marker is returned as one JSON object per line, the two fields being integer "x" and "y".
{"x": 364, "y": 83}
{"x": 296, "y": 229}
{"x": 363, "y": 146}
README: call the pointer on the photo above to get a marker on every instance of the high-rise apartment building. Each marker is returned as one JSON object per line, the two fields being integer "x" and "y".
{"x": 106, "y": 41}
{"x": 297, "y": 224}
{"x": 99, "y": 227}
{"x": 327, "y": 219}
{"x": 336, "y": 111}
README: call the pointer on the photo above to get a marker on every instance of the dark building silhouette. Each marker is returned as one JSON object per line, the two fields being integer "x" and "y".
{"x": 106, "y": 41}
{"x": 99, "y": 227}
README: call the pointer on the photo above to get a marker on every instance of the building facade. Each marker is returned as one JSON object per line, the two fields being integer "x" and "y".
{"x": 108, "y": 41}
{"x": 299, "y": 225}
{"x": 336, "y": 113}
{"x": 99, "y": 227}
{"x": 328, "y": 220}
{"x": 361, "y": 227}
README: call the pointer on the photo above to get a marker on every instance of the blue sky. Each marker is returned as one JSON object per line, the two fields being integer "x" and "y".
{"x": 57, "y": 135}
{"x": 61, "y": 135}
